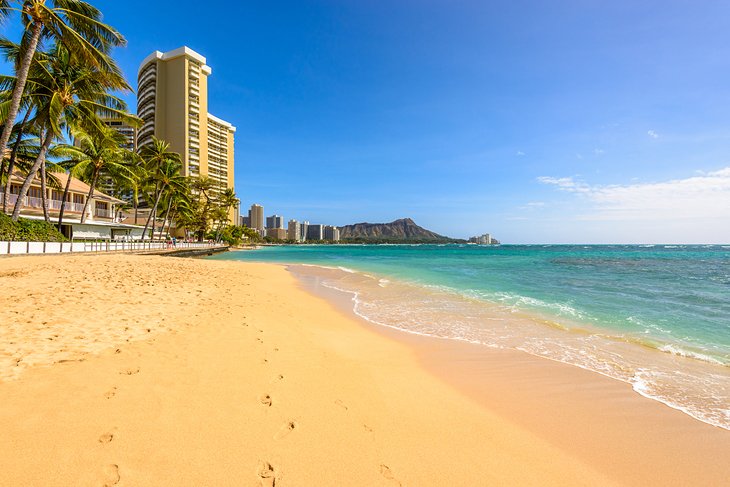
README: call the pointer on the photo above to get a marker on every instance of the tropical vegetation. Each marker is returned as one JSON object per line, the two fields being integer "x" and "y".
{"x": 64, "y": 85}
{"x": 28, "y": 230}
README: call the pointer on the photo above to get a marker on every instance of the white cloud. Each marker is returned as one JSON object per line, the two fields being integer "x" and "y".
{"x": 565, "y": 184}
{"x": 705, "y": 197}
{"x": 598, "y": 152}
{"x": 520, "y": 153}
{"x": 532, "y": 205}
{"x": 653, "y": 134}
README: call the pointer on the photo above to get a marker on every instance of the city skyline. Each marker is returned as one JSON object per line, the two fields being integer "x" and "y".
{"x": 274, "y": 226}
{"x": 567, "y": 122}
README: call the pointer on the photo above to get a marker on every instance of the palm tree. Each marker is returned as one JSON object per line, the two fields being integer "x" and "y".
{"x": 20, "y": 159}
{"x": 133, "y": 186}
{"x": 203, "y": 187}
{"x": 164, "y": 167}
{"x": 227, "y": 200}
{"x": 74, "y": 24}
{"x": 178, "y": 199}
{"x": 96, "y": 152}
{"x": 69, "y": 93}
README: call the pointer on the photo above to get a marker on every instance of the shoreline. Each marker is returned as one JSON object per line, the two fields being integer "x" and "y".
{"x": 533, "y": 391}
{"x": 153, "y": 381}
{"x": 629, "y": 360}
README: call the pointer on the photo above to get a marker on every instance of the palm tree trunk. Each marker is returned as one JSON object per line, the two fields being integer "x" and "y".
{"x": 167, "y": 213}
{"x": 11, "y": 164}
{"x": 135, "y": 202}
{"x": 63, "y": 201}
{"x": 169, "y": 223}
{"x": 94, "y": 178}
{"x": 21, "y": 77}
{"x": 154, "y": 220}
{"x": 41, "y": 159}
{"x": 44, "y": 196}
{"x": 154, "y": 209}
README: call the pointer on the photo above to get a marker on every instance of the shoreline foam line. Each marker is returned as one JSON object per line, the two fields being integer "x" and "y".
{"x": 637, "y": 381}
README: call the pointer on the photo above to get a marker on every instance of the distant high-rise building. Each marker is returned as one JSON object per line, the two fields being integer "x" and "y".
{"x": 315, "y": 232}
{"x": 275, "y": 221}
{"x": 485, "y": 239}
{"x": 256, "y": 217}
{"x": 129, "y": 132}
{"x": 246, "y": 221}
{"x": 294, "y": 231}
{"x": 303, "y": 229}
{"x": 331, "y": 233}
{"x": 172, "y": 102}
{"x": 107, "y": 182}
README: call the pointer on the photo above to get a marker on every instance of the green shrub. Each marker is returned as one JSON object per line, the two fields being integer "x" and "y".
{"x": 30, "y": 230}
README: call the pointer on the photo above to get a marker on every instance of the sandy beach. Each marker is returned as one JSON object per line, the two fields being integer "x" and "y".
{"x": 139, "y": 370}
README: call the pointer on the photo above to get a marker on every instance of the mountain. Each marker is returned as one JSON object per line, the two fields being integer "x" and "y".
{"x": 403, "y": 230}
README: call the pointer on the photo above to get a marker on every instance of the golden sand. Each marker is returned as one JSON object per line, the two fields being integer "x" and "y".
{"x": 149, "y": 371}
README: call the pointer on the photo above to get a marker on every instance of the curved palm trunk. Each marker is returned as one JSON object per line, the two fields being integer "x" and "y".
{"x": 63, "y": 201}
{"x": 167, "y": 213}
{"x": 152, "y": 213}
{"x": 11, "y": 163}
{"x": 44, "y": 195}
{"x": 41, "y": 159}
{"x": 89, "y": 196}
{"x": 169, "y": 223}
{"x": 135, "y": 202}
{"x": 21, "y": 77}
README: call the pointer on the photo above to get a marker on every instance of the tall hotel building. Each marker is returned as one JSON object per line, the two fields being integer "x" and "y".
{"x": 256, "y": 218}
{"x": 172, "y": 101}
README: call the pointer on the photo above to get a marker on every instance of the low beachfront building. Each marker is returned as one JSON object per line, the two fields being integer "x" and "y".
{"x": 102, "y": 220}
{"x": 277, "y": 233}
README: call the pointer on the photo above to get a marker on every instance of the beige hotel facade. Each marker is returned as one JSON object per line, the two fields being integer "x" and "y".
{"x": 172, "y": 101}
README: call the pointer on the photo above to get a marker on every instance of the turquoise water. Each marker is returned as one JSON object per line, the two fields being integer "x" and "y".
{"x": 655, "y": 316}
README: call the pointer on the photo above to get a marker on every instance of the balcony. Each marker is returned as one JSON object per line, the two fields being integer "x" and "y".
{"x": 69, "y": 207}
{"x": 103, "y": 213}
{"x": 37, "y": 203}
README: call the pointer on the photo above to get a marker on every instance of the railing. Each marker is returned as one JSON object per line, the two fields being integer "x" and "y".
{"x": 96, "y": 246}
{"x": 103, "y": 213}
{"x": 12, "y": 198}
{"x": 33, "y": 202}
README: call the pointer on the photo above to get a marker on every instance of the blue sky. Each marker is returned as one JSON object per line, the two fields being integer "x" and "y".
{"x": 581, "y": 121}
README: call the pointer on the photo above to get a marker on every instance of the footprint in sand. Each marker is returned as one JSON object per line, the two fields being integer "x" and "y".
{"x": 266, "y": 400}
{"x": 267, "y": 474}
{"x": 111, "y": 392}
{"x": 287, "y": 428}
{"x": 107, "y": 437}
{"x": 110, "y": 475}
{"x": 386, "y": 472}
{"x": 130, "y": 371}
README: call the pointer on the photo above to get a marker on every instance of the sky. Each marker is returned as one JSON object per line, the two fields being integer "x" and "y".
{"x": 538, "y": 122}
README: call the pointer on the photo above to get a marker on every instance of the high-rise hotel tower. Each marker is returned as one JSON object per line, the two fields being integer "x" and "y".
{"x": 172, "y": 101}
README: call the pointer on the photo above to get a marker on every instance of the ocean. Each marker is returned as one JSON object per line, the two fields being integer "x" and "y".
{"x": 654, "y": 316}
